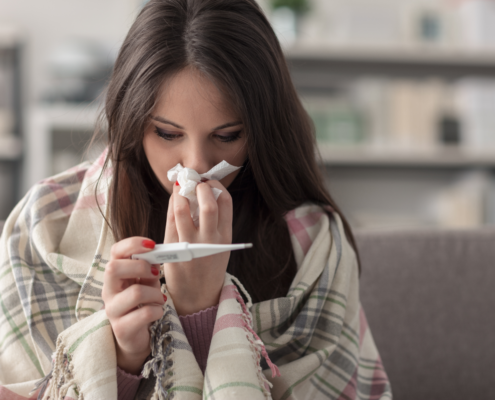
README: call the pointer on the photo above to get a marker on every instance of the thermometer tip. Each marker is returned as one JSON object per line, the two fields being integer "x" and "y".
{"x": 248, "y": 245}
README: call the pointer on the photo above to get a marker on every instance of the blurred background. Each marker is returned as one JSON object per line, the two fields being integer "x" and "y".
{"x": 400, "y": 91}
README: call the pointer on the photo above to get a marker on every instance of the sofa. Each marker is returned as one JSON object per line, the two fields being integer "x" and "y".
{"x": 429, "y": 298}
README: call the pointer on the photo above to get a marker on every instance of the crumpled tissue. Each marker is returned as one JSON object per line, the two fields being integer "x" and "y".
{"x": 189, "y": 179}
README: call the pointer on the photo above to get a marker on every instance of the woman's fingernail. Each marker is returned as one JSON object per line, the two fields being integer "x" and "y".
{"x": 149, "y": 244}
{"x": 176, "y": 183}
{"x": 155, "y": 271}
{"x": 164, "y": 298}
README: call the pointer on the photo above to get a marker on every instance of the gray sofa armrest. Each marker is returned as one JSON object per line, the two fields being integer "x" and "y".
{"x": 429, "y": 298}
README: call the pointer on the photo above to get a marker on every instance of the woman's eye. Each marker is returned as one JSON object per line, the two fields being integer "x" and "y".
{"x": 166, "y": 135}
{"x": 232, "y": 137}
{"x": 227, "y": 138}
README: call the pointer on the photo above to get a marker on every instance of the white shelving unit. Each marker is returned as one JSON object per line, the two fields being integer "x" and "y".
{"x": 42, "y": 122}
{"x": 385, "y": 186}
{"x": 312, "y": 65}
{"x": 10, "y": 148}
{"x": 11, "y": 113}
{"x": 437, "y": 157}
{"x": 375, "y": 186}
{"x": 10, "y": 36}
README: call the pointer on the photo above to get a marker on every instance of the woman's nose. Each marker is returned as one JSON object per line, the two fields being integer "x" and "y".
{"x": 198, "y": 159}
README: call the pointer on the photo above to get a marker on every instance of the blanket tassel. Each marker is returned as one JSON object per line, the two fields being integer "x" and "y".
{"x": 42, "y": 385}
{"x": 259, "y": 342}
{"x": 160, "y": 352}
{"x": 57, "y": 383}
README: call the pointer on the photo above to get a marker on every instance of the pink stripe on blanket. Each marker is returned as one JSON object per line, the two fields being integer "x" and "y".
{"x": 98, "y": 164}
{"x": 350, "y": 390}
{"x": 228, "y": 292}
{"x": 306, "y": 221}
{"x": 96, "y": 168}
{"x": 89, "y": 202}
{"x": 380, "y": 380}
{"x": 6, "y": 394}
{"x": 80, "y": 172}
{"x": 378, "y": 383}
{"x": 298, "y": 226}
{"x": 66, "y": 204}
{"x": 62, "y": 196}
{"x": 290, "y": 215}
{"x": 228, "y": 321}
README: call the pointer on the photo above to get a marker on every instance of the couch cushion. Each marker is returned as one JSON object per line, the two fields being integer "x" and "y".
{"x": 429, "y": 297}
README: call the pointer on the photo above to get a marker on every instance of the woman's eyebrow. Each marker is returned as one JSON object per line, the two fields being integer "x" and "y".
{"x": 166, "y": 121}
{"x": 228, "y": 125}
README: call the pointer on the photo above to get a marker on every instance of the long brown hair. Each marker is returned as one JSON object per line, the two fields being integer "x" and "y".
{"x": 232, "y": 43}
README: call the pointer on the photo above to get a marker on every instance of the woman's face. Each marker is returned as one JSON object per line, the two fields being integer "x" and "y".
{"x": 192, "y": 124}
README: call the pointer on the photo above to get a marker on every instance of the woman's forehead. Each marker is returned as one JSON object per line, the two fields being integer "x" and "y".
{"x": 190, "y": 93}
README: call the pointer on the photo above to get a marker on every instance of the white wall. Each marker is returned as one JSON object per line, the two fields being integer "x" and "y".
{"x": 46, "y": 23}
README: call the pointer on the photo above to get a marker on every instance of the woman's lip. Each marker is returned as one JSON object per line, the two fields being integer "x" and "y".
{"x": 204, "y": 180}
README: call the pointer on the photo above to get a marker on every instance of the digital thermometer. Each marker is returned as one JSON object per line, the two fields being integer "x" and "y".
{"x": 184, "y": 251}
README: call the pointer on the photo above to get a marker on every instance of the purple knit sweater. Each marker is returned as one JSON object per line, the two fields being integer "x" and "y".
{"x": 199, "y": 331}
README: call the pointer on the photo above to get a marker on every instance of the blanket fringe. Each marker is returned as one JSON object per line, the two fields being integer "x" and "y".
{"x": 59, "y": 380}
{"x": 258, "y": 343}
{"x": 161, "y": 349}
{"x": 41, "y": 385}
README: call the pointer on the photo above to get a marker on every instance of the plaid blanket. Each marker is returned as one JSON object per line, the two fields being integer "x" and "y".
{"x": 56, "y": 341}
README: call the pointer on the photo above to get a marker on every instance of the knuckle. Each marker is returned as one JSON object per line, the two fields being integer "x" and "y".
{"x": 209, "y": 209}
{"x": 203, "y": 188}
{"x": 181, "y": 210}
{"x": 110, "y": 268}
{"x": 109, "y": 310}
{"x": 225, "y": 198}
{"x": 148, "y": 313}
{"x": 135, "y": 293}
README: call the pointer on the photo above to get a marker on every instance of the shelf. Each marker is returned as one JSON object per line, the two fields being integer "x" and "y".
{"x": 9, "y": 37}
{"x": 395, "y": 157}
{"x": 10, "y": 148}
{"x": 41, "y": 122}
{"x": 309, "y": 65}
{"x": 68, "y": 116}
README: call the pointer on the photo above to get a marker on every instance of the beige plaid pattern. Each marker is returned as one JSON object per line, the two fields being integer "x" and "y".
{"x": 53, "y": 255}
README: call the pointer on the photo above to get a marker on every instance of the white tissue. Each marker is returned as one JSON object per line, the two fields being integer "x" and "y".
{"x": 189, "y": 179}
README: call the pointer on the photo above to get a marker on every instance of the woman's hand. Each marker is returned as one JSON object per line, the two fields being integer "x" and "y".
{"x": 196, "y": 284}
{"x": 127, "y": 285}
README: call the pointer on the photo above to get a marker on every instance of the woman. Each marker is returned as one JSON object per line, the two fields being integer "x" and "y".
{"x": 196, "y": 82}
